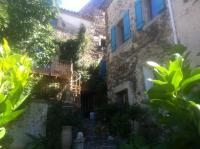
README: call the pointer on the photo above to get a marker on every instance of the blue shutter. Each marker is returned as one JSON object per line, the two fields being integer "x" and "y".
{"x": 127, "y": 27}
{"x": 157, "y": 6}
{"x": 139, "y": 15}
{"x": 53, "y": 22}
{"x": 102, "y": 69}
{"x": 113, "y": 38}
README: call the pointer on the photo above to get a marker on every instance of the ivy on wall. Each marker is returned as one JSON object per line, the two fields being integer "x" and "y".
{"x": 72, "y": 49}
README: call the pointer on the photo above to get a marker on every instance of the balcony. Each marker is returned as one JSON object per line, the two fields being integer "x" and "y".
{"x": 68, "y": 78}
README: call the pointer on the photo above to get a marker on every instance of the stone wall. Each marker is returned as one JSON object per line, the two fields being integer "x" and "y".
{"x": 187, "y": 20}
{"x": 127, "y": 62}
{"x": 33, "y": 121}
{"x": 68, "y": 25}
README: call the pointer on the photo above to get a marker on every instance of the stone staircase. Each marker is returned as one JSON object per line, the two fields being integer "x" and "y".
{"x": 100, "y": 145}
{"x": 94, "y": 142}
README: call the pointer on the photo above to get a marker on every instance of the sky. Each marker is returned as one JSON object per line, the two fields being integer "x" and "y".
{"x": 73, "y": 5}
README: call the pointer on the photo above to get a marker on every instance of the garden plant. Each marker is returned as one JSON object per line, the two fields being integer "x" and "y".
{"x": 174, "y": 98}
{"x": 174, "y": 102}
{"x": 15, "y": 77}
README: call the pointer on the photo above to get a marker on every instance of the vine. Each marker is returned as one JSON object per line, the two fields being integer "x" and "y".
{"x": 72, "y": 49}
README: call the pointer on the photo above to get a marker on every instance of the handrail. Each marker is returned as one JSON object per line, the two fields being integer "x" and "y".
{"x": 75, "y": 85}
{"x": 63, "y": 70}
{"x": 58, "y": 69}
{"x": 79, "y": 77}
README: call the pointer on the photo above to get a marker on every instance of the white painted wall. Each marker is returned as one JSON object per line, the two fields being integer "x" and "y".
{"x": 33, "y": 121}
{"x": 187, "y": 20}
{"x": 72, "y": 23}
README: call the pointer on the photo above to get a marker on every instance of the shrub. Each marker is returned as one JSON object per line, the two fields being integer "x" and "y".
{"x": 54, "y": 125}
{"x": 172, "y": 99}
{"x": 15, "y": 72}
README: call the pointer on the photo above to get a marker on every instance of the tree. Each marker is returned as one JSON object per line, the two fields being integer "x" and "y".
{"x": 15, "y": 77}
{"x": 26, "y": 25}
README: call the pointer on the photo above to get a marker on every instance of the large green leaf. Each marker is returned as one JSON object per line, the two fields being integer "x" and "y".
{"x": 176, "y": 64}
{"x": 2, "y": 132}
{"x": 2, "y": 98}
{"x": 196, "y": 71}
{"x": 177, "y": 78}
{"x": 161, "y": 92}
{"x": 166, "y": 104}
{"x": 186, "y": 83}
{"x": 5, "y": 119}
{"x": 14, "y": 77}
{"x": 172, "y": 103}
{"x": 15, "y": 94}
{"x": 9, "y": 107}
{"x": 158, "y": 68}
{"x": 19, "y": 102}
{"x": 158, "y": 82}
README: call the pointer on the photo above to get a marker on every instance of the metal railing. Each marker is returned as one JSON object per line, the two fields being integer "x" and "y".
{"x": 75, "y": 84}
{"x": 57, "y": 69}
{"x": 65, "y": 71}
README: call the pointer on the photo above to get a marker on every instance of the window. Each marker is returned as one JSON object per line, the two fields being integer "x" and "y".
{"x": 121, "y": 32}
{"x": 102, "y": 42}
{"x": 102, "y": 68}
{"x": 148, "y": 74}
{"x": 54, "y": 22}
{"x": 122, "y": 97}
{"x": 146, "y": 10}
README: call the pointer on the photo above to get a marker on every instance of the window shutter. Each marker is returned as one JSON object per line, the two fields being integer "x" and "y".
{"x": 157, "y": 6}
{"x": 102, "y": 69}
{"x": 113, "y": 38}
{"x": 139, "y": 15}
{"x": 53, "y": 22}
{"x": 127, "y": 27}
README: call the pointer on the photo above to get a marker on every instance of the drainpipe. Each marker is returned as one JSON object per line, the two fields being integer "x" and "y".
{"x": 172, "y": 22}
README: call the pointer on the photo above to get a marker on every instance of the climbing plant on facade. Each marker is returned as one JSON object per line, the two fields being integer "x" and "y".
{"x": 73, "y": 49}
{"x": 15, "y": 77}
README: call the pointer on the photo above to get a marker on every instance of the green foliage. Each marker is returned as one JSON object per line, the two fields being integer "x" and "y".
{"x": 94, "y": 82}
{"x": 26, "y": 25}
{"x": 46, "y": 88}
{"x": 177, "y": 48}
{"x": 2, "y": 132}
{"x": 118, "y": 119}
{"x": 136, "y": 142}
{"x": 54, "y": 125}
{"x": 121, "y": 125}
{"x": 3, "y": 16}
{"x": 37, "y": 142}
{"x": 73, "y": 49}
{"x": 15, "y": 72}
{"x": 57, "y": 118}
{"x": 6, "y": 141}
{"x": 171, "y": 99}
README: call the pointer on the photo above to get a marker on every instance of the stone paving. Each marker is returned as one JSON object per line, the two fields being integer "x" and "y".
{"x": 92, "y": 141}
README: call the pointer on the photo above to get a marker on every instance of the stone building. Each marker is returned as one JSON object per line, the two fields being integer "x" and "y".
{"x": 187, "y": 22}
{"x": 67, "y": 26}
{"x": 142, "y": 30}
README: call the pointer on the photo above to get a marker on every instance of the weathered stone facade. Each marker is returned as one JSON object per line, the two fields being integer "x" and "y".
{"x": 126, "y": 64}
{"x": 69, "y": 23}
{"x": 33, "y": 122}
{"x": 187, "y": 21}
